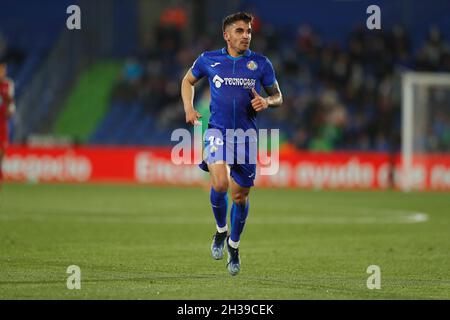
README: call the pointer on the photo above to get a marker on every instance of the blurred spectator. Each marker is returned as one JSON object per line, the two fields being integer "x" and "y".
{"x": 3, "y": 47}
{"x": 174, "y": 16}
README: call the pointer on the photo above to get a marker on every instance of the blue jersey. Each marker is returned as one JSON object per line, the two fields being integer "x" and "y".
{"x": 231, "y": 80}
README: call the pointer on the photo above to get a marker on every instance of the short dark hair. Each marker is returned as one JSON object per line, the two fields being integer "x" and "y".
{"x": 232, "y": 18}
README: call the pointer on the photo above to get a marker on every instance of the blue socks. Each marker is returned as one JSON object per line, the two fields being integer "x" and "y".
{"x": 238, "y": 217}
{"x": 219, "y": 203}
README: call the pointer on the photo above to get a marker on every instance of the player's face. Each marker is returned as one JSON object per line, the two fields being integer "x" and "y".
{"x": 238, "y": 36}
{"x": 2, "y": 70}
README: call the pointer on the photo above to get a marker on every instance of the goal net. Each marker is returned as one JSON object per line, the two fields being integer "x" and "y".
{"x": 425, "y": 159}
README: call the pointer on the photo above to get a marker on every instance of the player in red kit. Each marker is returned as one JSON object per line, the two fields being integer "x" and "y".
{"x": 7, "y": 108}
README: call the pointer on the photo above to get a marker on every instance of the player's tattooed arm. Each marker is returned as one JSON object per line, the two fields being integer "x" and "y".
{"x": 187, "y": 94}
{"x": 275, "y": 98}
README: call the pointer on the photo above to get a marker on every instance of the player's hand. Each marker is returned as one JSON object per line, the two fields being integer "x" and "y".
{"x": 258, "y": 103}
{"x": 192, "y": 117}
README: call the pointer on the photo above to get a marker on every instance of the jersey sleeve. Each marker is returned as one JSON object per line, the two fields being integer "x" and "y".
{"x": 268, "y": 74}
{"x": 198, "y": 69}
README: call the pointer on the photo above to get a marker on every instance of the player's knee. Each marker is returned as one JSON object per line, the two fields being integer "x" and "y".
{"x": 220, "y": 185}
{"x": 240, "y": 198}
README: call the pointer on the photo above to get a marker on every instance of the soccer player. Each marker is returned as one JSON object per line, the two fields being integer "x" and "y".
{"x": 236, "y": 75}
{"x": 7, "y": 108}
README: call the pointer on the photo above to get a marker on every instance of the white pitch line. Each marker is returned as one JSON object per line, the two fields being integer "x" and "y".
{"x": 383, "y": 216}
{"x": 418, "y": 217}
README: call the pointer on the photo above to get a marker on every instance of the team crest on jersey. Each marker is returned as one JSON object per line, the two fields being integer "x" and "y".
{"x": 252, "y": 65}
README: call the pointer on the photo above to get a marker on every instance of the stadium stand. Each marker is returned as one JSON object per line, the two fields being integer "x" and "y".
{"x": 338, "y": 95}
{"x": 340, "y": 81}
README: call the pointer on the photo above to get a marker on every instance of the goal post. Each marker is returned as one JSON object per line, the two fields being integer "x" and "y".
{"x": 425, "y": 124}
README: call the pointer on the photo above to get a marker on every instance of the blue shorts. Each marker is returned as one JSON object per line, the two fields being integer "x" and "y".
{"x": 241, "y": 157}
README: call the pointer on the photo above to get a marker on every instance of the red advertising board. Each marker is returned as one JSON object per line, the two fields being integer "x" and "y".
{"x": 343, "y": 170}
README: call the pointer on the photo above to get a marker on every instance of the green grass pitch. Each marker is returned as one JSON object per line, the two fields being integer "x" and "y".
{"x": 141, "y": 242}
